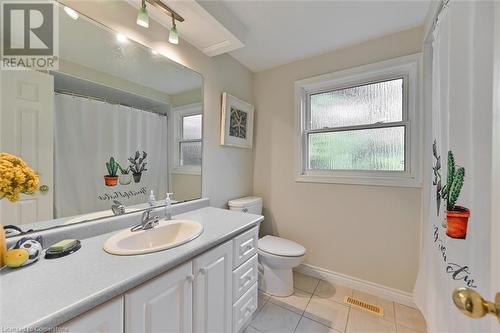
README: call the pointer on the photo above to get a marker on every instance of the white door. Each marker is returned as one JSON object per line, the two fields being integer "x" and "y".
{"x": 106, "y": 318}
{"x": 213, "y": 291}
{"x": 26, "y": 116}
{"x": 163, "y": 304}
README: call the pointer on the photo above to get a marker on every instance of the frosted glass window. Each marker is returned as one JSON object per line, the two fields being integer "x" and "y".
{"x": 358, "y": 126}
{"x": 380, "y": 149}
{"x": 191, "y": 127}
{"x": 379, "y": 102}
{"x": 190, "y": 153}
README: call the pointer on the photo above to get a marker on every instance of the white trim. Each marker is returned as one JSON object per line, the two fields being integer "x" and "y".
{"x": 187, "y": 171}
{"x": 407, "y": 66}
{"x": 372, "y": 288}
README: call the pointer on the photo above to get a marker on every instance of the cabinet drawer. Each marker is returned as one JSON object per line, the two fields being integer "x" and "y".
{"x": 244, "y": 277}
{"x": 245, "y": 246}
{"x": 244, "y": 308}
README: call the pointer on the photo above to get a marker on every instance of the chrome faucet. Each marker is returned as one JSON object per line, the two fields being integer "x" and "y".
{"x": 147, "y": 222}
{"x": 118, "y": 208}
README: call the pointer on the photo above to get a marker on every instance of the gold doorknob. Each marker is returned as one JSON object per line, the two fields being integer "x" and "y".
{"x": 473, "y": 305}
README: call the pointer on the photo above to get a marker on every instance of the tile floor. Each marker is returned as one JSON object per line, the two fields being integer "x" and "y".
{"x": 318, "y": 306}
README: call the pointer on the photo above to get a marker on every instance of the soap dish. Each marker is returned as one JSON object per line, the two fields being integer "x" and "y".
{"x": 59, "y": 254}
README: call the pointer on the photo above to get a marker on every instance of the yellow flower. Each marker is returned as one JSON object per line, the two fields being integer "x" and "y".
{"x": 16, "y": 177}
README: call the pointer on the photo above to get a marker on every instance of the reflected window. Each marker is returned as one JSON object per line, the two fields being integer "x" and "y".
{"x": 190, "y": 142}
{"x": 187, "y": 143}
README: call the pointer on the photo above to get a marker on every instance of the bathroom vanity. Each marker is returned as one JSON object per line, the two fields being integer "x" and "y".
{"x": 206, "y": 285}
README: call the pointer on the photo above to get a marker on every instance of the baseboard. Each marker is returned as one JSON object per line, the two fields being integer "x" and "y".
{"x": 375, "y": 289}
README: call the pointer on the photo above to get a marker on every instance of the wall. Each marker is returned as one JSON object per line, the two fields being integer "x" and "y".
{"x": 227, "y": 171}
{"x": 367, "y": 232}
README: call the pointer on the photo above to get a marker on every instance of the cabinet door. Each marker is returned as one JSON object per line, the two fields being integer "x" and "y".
{"x": 106, "y": 318}
{"x": 213, "y": 290}
{"x": 163, "y": 304}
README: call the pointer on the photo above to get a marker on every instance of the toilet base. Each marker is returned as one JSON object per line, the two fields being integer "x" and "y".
{"x": 276, "y": 282}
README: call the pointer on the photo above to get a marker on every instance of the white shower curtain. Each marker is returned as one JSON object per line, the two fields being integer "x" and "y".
{"x": 87, "y": 133}
{"x": 461, "y": 115}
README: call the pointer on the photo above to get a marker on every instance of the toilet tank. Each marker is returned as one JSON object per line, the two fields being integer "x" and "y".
{"x": 247, "y": 205}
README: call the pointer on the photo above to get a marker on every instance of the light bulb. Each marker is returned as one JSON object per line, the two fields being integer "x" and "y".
{"x": 154, "y": 52}
{"x": 71, "y": 13}
{"x": 143, "y": 17}
{"x": 121, "y": 38}
{"x": 173, "y": 37}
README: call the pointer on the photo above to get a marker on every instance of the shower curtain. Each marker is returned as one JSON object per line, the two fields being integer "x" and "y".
{"x": 88, "y": 133}
{"x": 459, "y": 120}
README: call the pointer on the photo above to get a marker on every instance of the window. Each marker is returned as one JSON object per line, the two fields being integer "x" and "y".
{"x": 359, "y": 126}
{"x": 187, "y": 133}
{"x": 190, "y": 141}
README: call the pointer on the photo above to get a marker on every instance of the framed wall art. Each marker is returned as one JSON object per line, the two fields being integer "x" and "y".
{"x": 236, "y": 122}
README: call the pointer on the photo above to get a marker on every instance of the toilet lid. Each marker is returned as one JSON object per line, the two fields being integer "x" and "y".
{"x": 281, "y": 247}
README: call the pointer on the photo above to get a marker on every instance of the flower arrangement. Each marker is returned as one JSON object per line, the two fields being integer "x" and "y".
{"x": 16, "y": 177}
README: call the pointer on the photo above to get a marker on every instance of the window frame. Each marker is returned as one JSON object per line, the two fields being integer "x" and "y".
{"x": 407, "y": 68}
{"x": 179, "y": 114}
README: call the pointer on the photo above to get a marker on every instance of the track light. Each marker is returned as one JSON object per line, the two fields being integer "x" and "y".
{"x": 71, "y": 13}
{"x": 173, "y": 37}
{"x": 142, "y": 16}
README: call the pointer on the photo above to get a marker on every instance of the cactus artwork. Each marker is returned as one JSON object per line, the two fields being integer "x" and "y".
{"x": 457, "y": 217}
{"x": 111, "y": 179}
{"x": 123, "y": 171}
{"x": 455, "y": 181}
{"x": 138, "y": 165}
{"x": 112, "y": 167}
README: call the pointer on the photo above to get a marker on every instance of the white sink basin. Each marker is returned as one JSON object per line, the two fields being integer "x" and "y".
{"x": 168, "y": 234}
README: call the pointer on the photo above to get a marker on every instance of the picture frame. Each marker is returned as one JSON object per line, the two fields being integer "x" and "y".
{"x": 237, "y": 121}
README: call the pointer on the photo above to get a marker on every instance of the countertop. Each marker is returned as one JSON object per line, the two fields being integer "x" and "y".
{"x": 50, "y": 292}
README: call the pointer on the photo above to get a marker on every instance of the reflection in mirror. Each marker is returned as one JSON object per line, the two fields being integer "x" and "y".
{"x": 116, "y": 125}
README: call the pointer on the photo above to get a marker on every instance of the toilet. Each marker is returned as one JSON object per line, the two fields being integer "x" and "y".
{"x": 277, "y": 256}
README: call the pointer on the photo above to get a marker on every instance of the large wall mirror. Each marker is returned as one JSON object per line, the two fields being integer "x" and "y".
{"x": 115, "y": 123}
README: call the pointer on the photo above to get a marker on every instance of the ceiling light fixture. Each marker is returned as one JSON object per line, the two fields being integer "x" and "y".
{"x": 173, "y": 36}
{"x": 121, "y": 38}
{"x": 71, "y": 13}
{"x": 142, "y": 16}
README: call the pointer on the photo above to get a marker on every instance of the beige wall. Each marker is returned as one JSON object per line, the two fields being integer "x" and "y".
{"x": 186, "y": 98}
{"x": 367, "y": 232}
{"x": 227, "y": 172}
{"x": 185, "y": 186}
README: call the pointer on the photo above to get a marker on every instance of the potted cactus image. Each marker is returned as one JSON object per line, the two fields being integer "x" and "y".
{"x": 111, "y": 179}
{"x": 125, "y": 176}
{"x": 137, "y": 165}
{"x": 457, "y": 216}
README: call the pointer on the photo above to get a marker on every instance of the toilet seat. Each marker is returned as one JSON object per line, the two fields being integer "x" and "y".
{"x": 281, "y": 247}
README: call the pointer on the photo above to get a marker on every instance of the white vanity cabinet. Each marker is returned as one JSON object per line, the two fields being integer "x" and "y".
{"x": 216, "y": 292}
{"x": 105, "y": 318}
{"x": 163, "y": 304}
{"x": 212, "y": 290}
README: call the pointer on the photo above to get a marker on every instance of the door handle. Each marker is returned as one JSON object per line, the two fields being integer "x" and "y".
{"x": 473, "y": 305}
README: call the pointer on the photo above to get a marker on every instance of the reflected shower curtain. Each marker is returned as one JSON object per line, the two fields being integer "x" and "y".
{"x": 87, "y": 133}
{"x": 460, "y": 121}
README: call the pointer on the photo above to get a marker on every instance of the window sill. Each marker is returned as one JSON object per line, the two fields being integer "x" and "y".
{"x": 392, "y": 181}
{"x": 187, "y": 171}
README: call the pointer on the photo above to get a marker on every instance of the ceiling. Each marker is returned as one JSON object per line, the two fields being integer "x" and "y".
{"x": 101, "y": 51}
{"x": 279, "y": 32}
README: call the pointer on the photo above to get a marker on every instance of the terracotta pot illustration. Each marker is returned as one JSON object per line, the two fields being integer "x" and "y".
{"x": 457, "y": 220}
{"x": 125, "y": 179}
{"x": 110, "y": 180}
{"x": 137, "y": 177}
